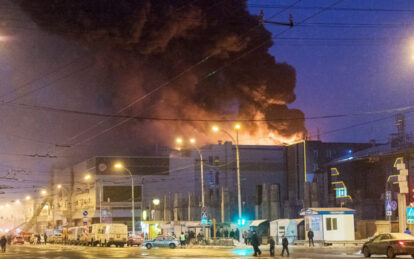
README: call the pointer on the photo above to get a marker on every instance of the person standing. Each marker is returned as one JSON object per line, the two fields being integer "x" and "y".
{"x": 310, "y": 237}
{"x": 272, "y": 246}
{"x": 407, "y": 231}
{"x": 285, "y": 244}
{"x": 45, "y": 237}
{"x": 255, "y": 244}
{"x": 182, "y": 239}
{"x": 3, "y": 242}
{"x": 237, "y": 234}
{"x": 245, "y": 236}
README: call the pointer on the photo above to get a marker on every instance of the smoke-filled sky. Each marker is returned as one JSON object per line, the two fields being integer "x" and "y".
{"x": 197, "y": 59}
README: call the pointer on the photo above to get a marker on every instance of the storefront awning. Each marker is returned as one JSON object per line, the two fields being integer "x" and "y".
{"x": 256, "y": 223}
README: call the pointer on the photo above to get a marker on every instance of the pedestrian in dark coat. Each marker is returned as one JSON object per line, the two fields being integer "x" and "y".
{"x": 255, "y": 243}
{"x": 237, "y": 234}
{"x": 272, "y": 246}
{"x": 3, "y": 242}
{"x": 310, "y": 237}
{"x": 285, "y": 244}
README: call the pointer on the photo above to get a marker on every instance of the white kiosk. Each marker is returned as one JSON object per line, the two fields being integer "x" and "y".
{"x": 285, "y": 227}
{"x": 330, "y": 224}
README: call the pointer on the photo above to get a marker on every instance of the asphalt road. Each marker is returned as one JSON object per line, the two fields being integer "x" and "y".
{"x": 66, "y": 252}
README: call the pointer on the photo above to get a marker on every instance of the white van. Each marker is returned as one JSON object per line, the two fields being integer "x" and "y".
{"x": 77, "y": 236}
{"x": 108, "y": 234}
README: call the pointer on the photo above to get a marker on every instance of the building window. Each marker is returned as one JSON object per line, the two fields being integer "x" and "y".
{"x": 210, "y": 160}
{"x": 331, "y": 224}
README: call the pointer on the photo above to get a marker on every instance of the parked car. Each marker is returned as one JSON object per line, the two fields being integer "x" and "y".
{"x": 389, "y": 244}
{"x": 135, "y": 240}
{"x": 18, "y": 240}
{"x": 161, "y": 241}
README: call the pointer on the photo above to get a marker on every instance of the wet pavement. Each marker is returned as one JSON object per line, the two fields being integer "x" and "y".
{"x": 63, "y": 252}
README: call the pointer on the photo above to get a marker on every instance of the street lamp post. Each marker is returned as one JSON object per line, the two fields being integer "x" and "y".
{"x": 237, "y": 128}
{"x": 120, "y": 166}
{"x": 193, "y": 142}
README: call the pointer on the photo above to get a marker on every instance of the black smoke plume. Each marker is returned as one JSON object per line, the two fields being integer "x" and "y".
{"x": 141, "y": 44}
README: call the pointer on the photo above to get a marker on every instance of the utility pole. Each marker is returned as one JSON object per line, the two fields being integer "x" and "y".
{"x": 402, "y": 200}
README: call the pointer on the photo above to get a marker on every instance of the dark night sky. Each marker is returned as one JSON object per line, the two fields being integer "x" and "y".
{"x": 370, "y": 70}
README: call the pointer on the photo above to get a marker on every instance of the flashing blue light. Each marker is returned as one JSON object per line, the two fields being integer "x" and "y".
{"x": 349, "y": 151}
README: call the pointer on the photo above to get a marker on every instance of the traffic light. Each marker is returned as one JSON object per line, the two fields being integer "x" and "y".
{"x": 241, "y": 222}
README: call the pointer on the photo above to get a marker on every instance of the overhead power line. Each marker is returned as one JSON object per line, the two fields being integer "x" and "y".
{"x": 144, "y": 118}
{"x": 342, "y": 9}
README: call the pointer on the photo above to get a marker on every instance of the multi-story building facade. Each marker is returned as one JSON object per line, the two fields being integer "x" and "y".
{"x": 276, "y": 182}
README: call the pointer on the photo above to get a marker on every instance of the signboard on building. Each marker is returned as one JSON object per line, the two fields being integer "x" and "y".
{"x": 410, "y": 215}
{"x": 137, "y": 165}
{"x": 341, "y": 192}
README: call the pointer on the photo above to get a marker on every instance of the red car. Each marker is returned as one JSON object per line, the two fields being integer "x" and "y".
{"x": 18, "y": 240}
{"x": 135, "y": 240}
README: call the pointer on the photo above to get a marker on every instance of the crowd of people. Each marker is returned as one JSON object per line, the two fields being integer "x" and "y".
{"x": 38, "y": 239}
{"x": 225, "y": 233}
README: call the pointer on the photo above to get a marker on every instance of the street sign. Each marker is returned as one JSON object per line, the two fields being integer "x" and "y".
{"x": 388, "y": 213}
{"x": 85, "y": 220}
{"x": 85, "y": 213}
{"x": 388, "y": 195}
{"x": 410, "y": 215}
{"x": 393, "y": 205}
{"x": 388, "y": 205}
{"x": 204, "y": 215}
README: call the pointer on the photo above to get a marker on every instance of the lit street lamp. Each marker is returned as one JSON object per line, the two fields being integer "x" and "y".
{"x": 119, "y": 166}
{"x": 237, "y": 127}
{"x": 43, "y": 192}
{"x": 28, "y": 197}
